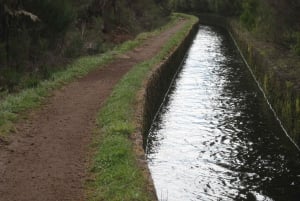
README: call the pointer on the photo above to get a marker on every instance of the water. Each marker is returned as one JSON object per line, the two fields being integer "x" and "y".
{"x": 215, "y": 138}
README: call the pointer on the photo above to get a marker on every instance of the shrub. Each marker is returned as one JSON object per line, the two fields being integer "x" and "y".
{"x": 249, "y": 14}
{"x": 75, "y": 46}
{"x": 297, "y": 43}
{"x": 56, "y": 15}
{"x": 10, "y": 78}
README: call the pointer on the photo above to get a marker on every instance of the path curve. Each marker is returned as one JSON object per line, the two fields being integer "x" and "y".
{"x": 46, "y": 159}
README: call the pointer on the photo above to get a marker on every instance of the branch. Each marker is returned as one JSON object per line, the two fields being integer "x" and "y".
{"x": 16, "y": 13}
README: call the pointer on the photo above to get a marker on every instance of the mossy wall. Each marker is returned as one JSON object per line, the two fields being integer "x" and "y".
{"x": 281, "y": 93}
{"x": 160, "y": 79}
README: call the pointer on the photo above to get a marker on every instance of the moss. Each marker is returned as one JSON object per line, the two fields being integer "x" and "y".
{"x": 266, "y": 80}
{"x": 298, "y": 107}
{"x": 289, "y": 84}
{"x": 249, "y": 49}
{"x": 288, "y": 109}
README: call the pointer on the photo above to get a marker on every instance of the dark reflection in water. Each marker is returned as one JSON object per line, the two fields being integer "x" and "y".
{"x": 215, "y": 137}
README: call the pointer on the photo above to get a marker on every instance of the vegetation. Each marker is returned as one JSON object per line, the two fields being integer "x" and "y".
{"x": 115, "y": 170}
{"x": 224, "y": 7}
{"x": 38, "y": 37}
{"x": 272, "y": 21}
{"x": 41, "y": 40}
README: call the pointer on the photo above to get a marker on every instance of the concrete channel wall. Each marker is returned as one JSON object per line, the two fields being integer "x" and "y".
{"x": 281, "y": 93}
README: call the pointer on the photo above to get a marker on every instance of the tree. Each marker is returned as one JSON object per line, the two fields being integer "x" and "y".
{"x": 12, "y": 16}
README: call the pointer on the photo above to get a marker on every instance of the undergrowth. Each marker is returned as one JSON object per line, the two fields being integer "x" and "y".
{"x": 115, "y": 172}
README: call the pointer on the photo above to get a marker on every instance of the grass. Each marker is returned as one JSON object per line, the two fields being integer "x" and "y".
{"x": 115, "y": 172}
{"x": 14, "y": 106}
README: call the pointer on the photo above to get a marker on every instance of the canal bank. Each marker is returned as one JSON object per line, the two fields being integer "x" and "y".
{"x": 276, "y": 71}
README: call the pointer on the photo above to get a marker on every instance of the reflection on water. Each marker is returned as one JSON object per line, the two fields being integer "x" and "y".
{"x": 215, "y": 137}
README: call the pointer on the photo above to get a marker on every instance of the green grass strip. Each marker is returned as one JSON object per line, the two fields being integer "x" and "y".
{"x": 116, "y": 176}
{"x": 13, "y": 106}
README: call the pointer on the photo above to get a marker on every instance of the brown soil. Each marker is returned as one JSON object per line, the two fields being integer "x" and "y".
{"x": 46, "y": 158}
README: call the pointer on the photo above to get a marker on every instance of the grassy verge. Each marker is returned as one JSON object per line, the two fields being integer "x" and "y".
{"x": 115, "y": 172}
{"x": 13, "y": 106}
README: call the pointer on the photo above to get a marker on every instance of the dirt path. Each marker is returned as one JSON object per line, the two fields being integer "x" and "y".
{"x": 46, "y": 159}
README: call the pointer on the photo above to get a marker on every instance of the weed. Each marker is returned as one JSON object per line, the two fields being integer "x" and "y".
{"x": 297, "y": 43}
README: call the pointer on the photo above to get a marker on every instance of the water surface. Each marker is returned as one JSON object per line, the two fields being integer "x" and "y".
{"x": 215, "y": 137}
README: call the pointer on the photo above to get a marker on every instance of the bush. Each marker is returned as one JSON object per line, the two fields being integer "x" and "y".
{"x": 19, "y": 46}
{"x": 75, "y": 46}
{"x": 297, "y": 44}
{"x": 9, "y": 79}
{"x": 55, "y": 15}
{"x": 3, "y": 54}
{"x": 65, "y": 28}
{"x": 249, "y": 14}
{"x": 225, "y": 7}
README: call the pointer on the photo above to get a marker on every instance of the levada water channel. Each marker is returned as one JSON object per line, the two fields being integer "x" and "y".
{"x": 215, "y": 137}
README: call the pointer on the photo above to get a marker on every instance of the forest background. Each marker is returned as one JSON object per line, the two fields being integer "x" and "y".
{"x": 39, "y": 37}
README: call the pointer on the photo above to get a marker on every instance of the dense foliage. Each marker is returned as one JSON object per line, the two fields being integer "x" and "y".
{"x": 224, "y": 7}
{"x": 276, "y": 21}
{"x": 36, "y": 35}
